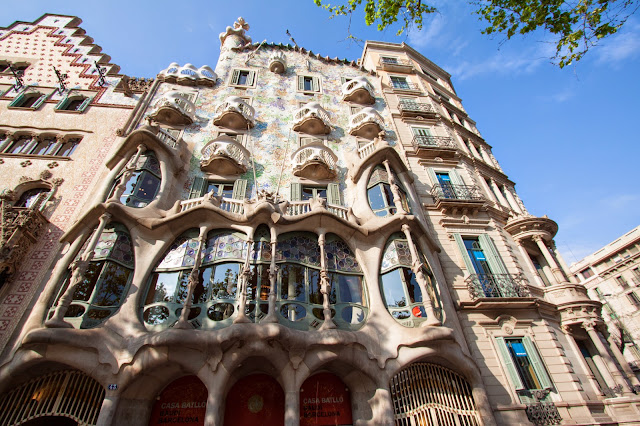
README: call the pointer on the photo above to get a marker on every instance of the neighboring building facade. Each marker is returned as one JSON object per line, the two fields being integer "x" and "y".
{"x": 612, "y": 276}
{"x": 286, "y": 239}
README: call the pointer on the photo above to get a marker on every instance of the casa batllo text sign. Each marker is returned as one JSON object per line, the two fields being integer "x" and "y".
{"x": 324, "y": 400}
{"x": 183, "y": 402}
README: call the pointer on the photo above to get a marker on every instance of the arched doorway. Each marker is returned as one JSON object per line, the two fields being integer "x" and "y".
{"x": 61, "y": 398}
{"x": 257, "y": 399}
{"x": 429, "y": 394}
{"x": 325, "y": 400}
{"x": 183, "y": 401}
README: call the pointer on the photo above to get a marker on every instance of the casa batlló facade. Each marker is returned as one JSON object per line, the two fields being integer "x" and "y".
{"x": 285, "y": 238}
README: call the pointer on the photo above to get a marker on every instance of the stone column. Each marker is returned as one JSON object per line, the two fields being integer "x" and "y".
{"x": 108, "y": 409}
{"x": 78, "y": 268}
{"x": 563, "y": 264}
{"x": 6, "y": 142}
{"x": 128, "y": 172}
{"x": 529, "y": 263}
{"x": 558, "y": 275}
{"x": 292, "y": 408}
{"x": 31, "y": 144}
{"x": 56, "y": 146}
{"x": 397, "y": 199}
{"x": 243, "y": 280}
{"x": 194, "y": 280}
{"x": 596, "y": 338}
{"x": 273, "y": 276}
{"x": 325, "y": 285}
{"x": 624, "y": 364}
{"x": 474, "y": 151}
{"x": 422, "y": 281}
{"x": 512, "y": 201}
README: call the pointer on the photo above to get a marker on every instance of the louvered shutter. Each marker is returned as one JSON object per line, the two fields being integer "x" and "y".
{"x": 295, "y": 191}
{"x": 250, "y": 78}
{"x": 508, "y": 362}
{"x": 235, "y": 76}
{"x": 455, "y": 177}
{"x": 84, "y": 104}
{"x": 333, "y": 194}
{"x": 239, "y": 189}
{"x": 536, "y": 362}
{"x": 39, "y": 102}
{"x": 63, "y": 102}
{"x": 493, "y": 257}
{"x": 465, "y": 255}
{"x": 197, "y": 187}
{"x": 316, "y": 84}
{"x": 17, "y": 100}
{"x": 301, "y": 83}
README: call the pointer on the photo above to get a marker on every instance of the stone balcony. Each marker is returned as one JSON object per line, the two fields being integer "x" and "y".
{"x": 366, "y": 123}
{"x": 358, "y": 90}
{"x": 454, "y": 198}
{"x": 21, "y": 228}
{"x": 416, "y": 109}
{"x": 314, "y": 161}
{"x": 497, "y": 285}
{"x": 224, "y": 156}
{"x": 234, "y": 113}
{"x": 396, "y": 65}
{"x": 278, "y": 62}
{"x": 174, "y": 108}
{"x": 312, "y": 119}
{"x": 427, "y": 146}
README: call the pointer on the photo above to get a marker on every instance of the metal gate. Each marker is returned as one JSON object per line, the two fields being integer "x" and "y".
{"x": 69, "y": 394}
{"x": 428, "y": 394}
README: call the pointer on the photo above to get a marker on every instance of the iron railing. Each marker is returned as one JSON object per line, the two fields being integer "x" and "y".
{"x": 395, "y": 61}
{"x": 416, "y": 107}
{"x": 543, "y": 413}
{"x": 424, "y": 141}
{"x": 456, "y": 192}
{"x": 497, "y": 285}
{"x": 404, "y": 85}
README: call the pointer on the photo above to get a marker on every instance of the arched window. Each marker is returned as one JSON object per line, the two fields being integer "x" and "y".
{"x": 143, "y": 184}
{"x": 399, "y": 283}
{"x": 300, "y": 299}
{"x": 380, "y": 194}
{"x": 214, "y": 300}
{"x": 105, "y": 281}
{"x": 33, "y": 198}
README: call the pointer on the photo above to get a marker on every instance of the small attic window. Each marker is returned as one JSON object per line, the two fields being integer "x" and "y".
{"x": 73, "y": 103}
{"x": 28, "y": 100}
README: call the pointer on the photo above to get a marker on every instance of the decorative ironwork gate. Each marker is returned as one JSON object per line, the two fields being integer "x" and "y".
{"x": 70, "y": 394}
{"x": 428, "y": 394}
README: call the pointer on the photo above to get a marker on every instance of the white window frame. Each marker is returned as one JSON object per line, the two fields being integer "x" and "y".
{"x": 316, "y": 86}
{"x": 252, "y": 77}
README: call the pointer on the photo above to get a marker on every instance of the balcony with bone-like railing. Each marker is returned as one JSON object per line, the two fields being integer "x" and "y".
{"x": 166, "y": 137}
{"x": 188, "y": 75}
{"x": 224, "y": 156}
{"x": 234, "y": 113}
{"x": 312, "y": 119}
{"x": 174, "y": 108}
{"x": 358, "y": 90}
{"x": 366, "y": 123}
{"x": 411, "y": 108}
{"x": 314, "y": 161}
{"x": 395, "y": 64}
{"x": 432, "y": 146}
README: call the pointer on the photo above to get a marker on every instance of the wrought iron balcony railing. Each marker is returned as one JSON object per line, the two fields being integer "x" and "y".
{"x": 450, "y": 192}
{"x": 497, "y": 285}
{"x": 422, "y": 141}
{"x": 543, "y": 413}
{"x": 404, "y": 85}
{"x": 394, "y": 61}
{"x": 416, "y": 107}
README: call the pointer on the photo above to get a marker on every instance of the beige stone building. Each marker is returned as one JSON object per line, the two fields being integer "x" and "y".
{"x": 285, "y": 238}
{"x": 612, "y": 276}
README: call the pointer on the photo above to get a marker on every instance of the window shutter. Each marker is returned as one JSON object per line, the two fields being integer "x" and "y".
{"x": 197, "y": 187}
{"x": 536, "y": 362}
{"x": 296, "y": 191}
{"x": 493, "y": 257}
{"x": 508, "y": 362}
{"x": 39, "y": 102}
{"x": 465, "y": 255}
{"x": 84, "y": 104}
{"x": 333, "y": 194}
{"x": 316, "y": 84}
{"x": 63, "y": 102}
{"x": 235, "y": 76}
{"x": 17, "y": 100}
{"x": 301, "y": 83}
{"x": 455, "y": 177}
{"x": 432, "y": 175}
{"x": 250, "y": 78}
{"x": 239, "y": 189}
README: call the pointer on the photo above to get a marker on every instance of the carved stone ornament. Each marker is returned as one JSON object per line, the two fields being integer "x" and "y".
{"x": 45, "y": 174}
{"x": 24, "y": 179}
{"x": 53, "y": 165}
{"x": 57, "y": 181}
{"x": 26, "y": 163}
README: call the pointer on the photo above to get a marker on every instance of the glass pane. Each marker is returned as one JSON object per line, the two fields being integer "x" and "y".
{"x": 220, "y": 311}
{"x": 315, "y": 295}
{"x": 393, "y": 289}
{"x": 413, "y": 289}
{"x": 202, "y": 288}
{"x": 42, "y": 147}
{"x": 350, "y": 289}
{"x": 162, "y": 288}
{"x": 293, "y": 312}
{"x": 292, "y": 282}
{"x": 523, "y": 364}
{"x": 353, "y": 314}
{"x": 67, "y": 149}
{"x": 113, "y": 281}
{"x": 148, "y": 185}
{"x": 85, "y": 287}
{"x": 376, "y": 200}
{"x": 156, "y": 315}
{"x": 183, "y": 287}
{"x": 225, "y": 281}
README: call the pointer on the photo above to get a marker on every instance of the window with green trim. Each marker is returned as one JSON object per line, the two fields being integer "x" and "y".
{"x": 244, "y": 78}
{"x": 523, "y": 363}
{"x": 106, "y": 280}
{"x": 227, "y": 189}
{"x": 73, "y": 103}
{"x": 142, "y": 186}
{"x": 28, "y": 99}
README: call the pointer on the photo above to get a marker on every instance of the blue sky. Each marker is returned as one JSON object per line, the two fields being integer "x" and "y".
{"x": 567, "y": 137}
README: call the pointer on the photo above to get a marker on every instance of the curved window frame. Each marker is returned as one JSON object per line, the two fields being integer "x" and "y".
{"x": 397, "y": 277}
{"x": 111, "y": 259}
{"x": 147, "y": 167}
{"x": 380, "y": 196}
